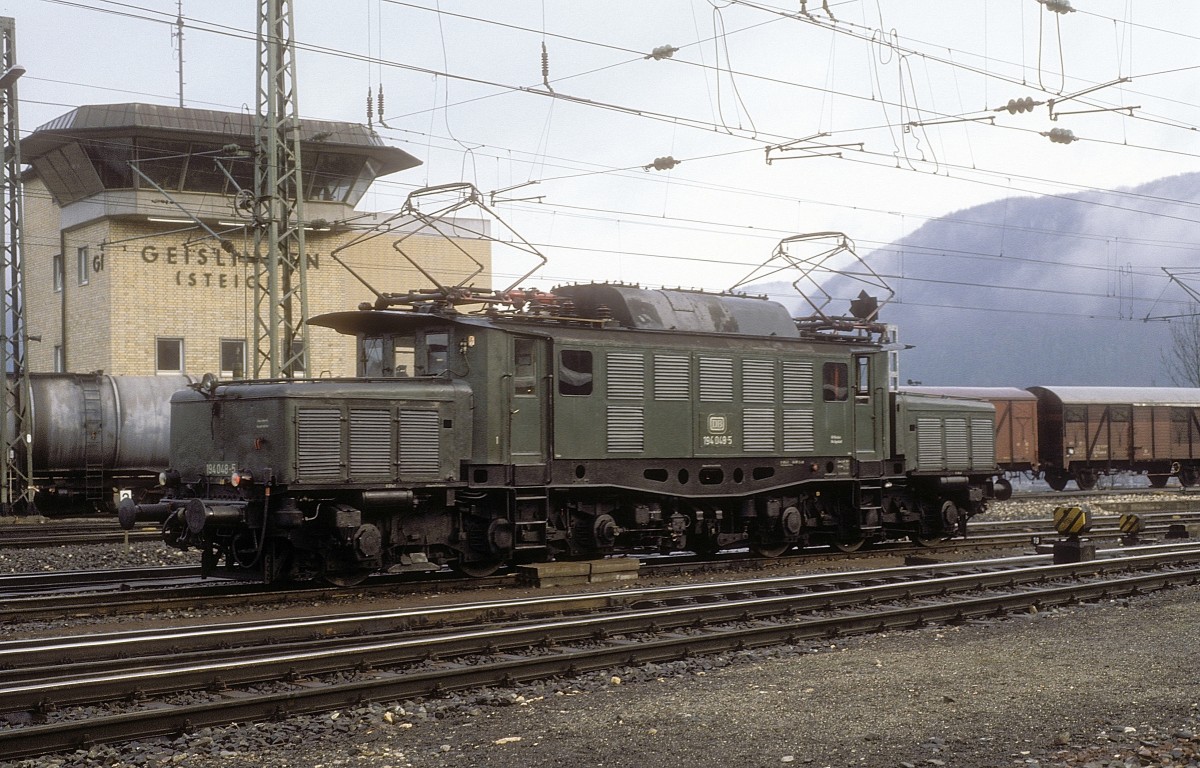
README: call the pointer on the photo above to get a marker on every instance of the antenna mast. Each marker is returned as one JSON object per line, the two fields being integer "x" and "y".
{"x": 280, "y": 281}
{"x": 179, "y": 36}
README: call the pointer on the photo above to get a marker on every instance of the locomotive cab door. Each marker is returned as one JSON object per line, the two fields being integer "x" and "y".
{"x": 529, "y": 414}
{"x": 869, "y": 402}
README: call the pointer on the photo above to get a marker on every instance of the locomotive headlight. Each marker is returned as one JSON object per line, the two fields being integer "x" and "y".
{"x": 168, "y": 478}
{"x": 239, "y": 478}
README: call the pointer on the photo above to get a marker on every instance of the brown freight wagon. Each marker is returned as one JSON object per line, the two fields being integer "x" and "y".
{"x": 1016, "y": 424}
{"x": 1085, "y": 432}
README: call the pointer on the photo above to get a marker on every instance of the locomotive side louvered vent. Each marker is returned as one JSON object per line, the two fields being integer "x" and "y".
{"x": 626, "y": 376}
{"x": 318, "y": 443}
{"x": 716, "y": 379}
{"x": 758, "y": 429}
{"x": 929, "y": 444}
{"x": 799, "y": 431}
{"x": 983, "y": 443}
{"x": 797, "y": 382}
{"x": 419, "y": 442}
{"x": 672, "y": 378}
{"x": 758, "y": 381}
{"x": 957, "y": 448}
{"x": 626, "y": 429}
{"x": 370, "y": 442}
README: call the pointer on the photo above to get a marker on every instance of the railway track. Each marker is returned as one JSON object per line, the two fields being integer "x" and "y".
{"x": 317, "y": 664}
{"x": 129, "y": 591}
{"x": 72, "y": 533}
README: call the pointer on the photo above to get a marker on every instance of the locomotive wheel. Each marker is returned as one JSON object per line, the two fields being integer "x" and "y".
{"x": 849, "y": 545}
{"x": 347, "y": 578}
{"x": 769, "y": 550}
{"x": 925, "y": 541}
{"x": 478, "y": 569}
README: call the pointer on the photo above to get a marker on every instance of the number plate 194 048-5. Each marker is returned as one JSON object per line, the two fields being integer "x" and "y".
{"x": 220, "y": 468}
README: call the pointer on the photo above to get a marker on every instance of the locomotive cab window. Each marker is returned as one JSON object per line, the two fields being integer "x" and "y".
{"x": 575, "y": 372}
{"x": 437, "y": 353}
{"x": 835, "y": 379}
{"x": 862, "y": 378}
{"x": 404, "y": 355}
{"x": 524, "y": 368}
{"x": 370, "y": 357}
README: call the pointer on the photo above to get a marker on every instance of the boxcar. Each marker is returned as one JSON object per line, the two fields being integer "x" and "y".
{"x": 1085, "y": 432}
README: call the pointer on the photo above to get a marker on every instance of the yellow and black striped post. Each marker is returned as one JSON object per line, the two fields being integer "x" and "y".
{"x": 1070, "y": 522}
{"x": 1131, "y": 527}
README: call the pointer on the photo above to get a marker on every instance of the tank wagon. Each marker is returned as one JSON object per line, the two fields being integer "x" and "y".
{"x": 595, "y": 419}
{"x": 1086, "y": 432}
{"x": 94, "y": 437}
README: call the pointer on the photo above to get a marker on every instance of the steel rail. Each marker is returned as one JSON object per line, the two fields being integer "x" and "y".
{"x": 259, "y": 664}
{"x": 56, "y": 651}
{"x": 384, "y": 686}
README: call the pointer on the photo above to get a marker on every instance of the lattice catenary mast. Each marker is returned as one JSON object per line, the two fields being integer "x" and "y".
{"x": 280, "y": 284}
{"x": 16, "y": 468}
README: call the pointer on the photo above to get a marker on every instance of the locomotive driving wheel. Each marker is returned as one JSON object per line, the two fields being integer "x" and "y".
{"x": 478, "y": 569}
{"x": 769, "y": 550}
{"x": 849, "y": 544}
{"x": 925, "y": 540}
{"x": 351, "y": 578}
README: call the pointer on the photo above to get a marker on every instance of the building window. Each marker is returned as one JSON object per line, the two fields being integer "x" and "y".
{"x": 233, "y": 358}
{"x": 169, "y": 355}
{"x": 82, "y": 264}
{"x": 300, "y": 358}
{"x": 59, "y": 363}
{"x": 58, "y": 273}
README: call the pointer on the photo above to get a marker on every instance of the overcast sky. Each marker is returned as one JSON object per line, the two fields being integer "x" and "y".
{"x": 883, "y": 80}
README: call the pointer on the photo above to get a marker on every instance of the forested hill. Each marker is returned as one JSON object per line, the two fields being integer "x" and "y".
{"x": 1041, "y": 290}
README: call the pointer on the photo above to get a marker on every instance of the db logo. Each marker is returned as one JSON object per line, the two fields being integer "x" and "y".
{"x": 717, "y": 424}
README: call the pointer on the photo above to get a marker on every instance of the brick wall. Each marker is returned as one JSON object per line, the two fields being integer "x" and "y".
{"x": 148, "y": 280}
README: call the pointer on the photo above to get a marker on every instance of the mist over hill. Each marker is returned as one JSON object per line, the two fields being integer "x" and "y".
{"x": 1039, "y": 290}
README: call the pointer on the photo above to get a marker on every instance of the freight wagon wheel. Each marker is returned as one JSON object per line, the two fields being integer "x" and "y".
{"x": 477, "y": 569}
{"x": 1057, "y": 479}
{"x": 1086, "y": 479}
{"x": 1188, "y": 476}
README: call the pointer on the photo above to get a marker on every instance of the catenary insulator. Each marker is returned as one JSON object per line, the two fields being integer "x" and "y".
{"x": 662, "y": 163}
{"x": 1061, "y": 135}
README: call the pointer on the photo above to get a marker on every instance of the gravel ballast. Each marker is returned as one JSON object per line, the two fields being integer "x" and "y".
{"x": 1096, "y": 686}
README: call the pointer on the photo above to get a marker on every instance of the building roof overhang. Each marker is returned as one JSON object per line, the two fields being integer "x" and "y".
{"x": 156, "y": 121}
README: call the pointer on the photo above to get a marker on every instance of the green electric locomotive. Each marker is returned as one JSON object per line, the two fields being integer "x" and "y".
{"x": 490, "y": 430}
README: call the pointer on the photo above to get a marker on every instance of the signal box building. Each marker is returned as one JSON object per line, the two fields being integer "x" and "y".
{"x": 119, "y": 277}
